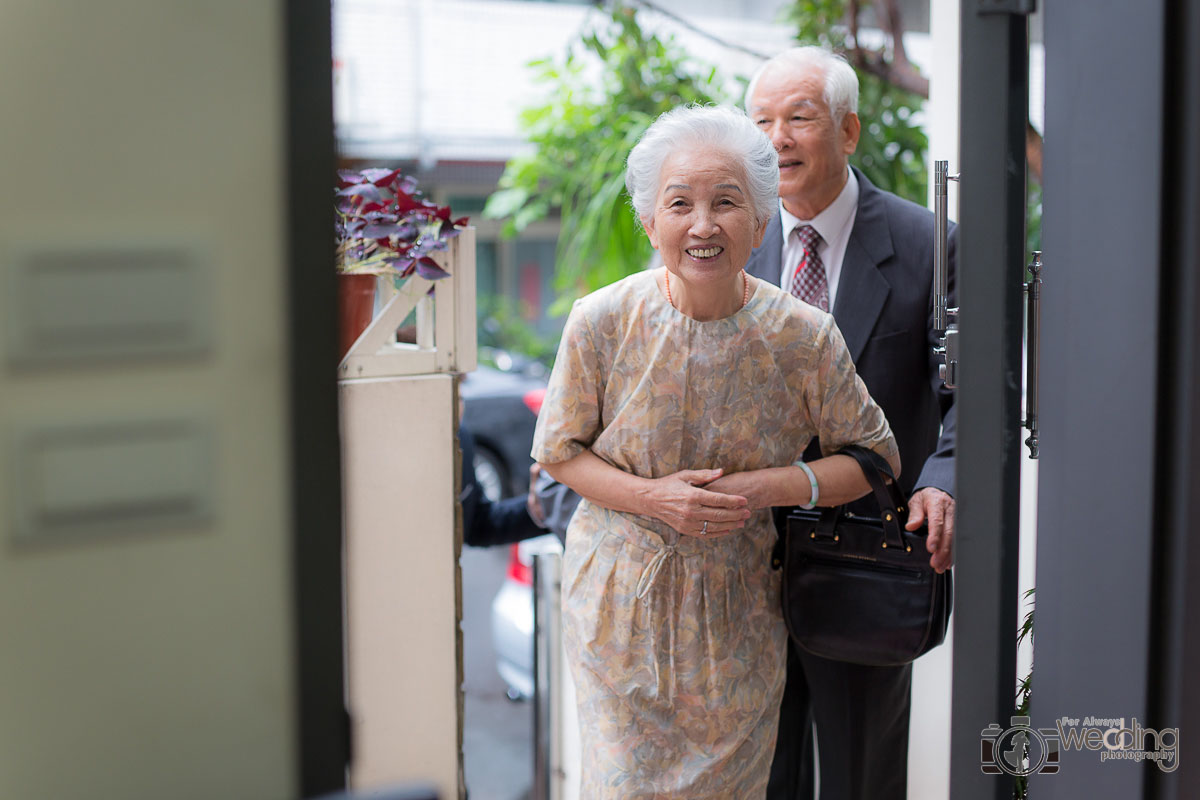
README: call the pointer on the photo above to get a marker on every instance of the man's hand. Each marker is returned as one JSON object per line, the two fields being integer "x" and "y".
{"x": 532, "y": 504}
{"x": 936, "y": 508}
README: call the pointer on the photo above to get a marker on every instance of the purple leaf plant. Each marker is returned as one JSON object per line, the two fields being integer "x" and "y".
{"x": 385, "y": 226}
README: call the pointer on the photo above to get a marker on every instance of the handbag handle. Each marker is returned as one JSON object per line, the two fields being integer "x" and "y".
{"x": 883, "y": 485}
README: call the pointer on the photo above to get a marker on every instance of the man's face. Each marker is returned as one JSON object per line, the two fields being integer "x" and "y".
{"x": 789, "y": 106}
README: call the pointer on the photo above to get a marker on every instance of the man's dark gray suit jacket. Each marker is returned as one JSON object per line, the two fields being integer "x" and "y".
{"x": 884, "y": 308}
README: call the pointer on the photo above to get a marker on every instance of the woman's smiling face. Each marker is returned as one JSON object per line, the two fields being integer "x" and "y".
{"x": 703, "y": 223}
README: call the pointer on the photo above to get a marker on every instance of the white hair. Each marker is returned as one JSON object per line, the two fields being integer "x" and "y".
{"x": 724, "y": 130}
{"x": 841, "y": 82}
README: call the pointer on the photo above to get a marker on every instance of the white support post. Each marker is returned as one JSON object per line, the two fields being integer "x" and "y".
{"x": 942, "y": 108}
{"x": 445, "y": 340}
{"x": 404, "y": 602}
{"x": 425, "y": 335}
{"x": 929, "y": 762}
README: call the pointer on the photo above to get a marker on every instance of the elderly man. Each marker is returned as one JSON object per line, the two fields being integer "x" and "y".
{"x": 844, "y": 245}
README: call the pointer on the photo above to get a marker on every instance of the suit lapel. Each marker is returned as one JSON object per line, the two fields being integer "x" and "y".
{"x": 862, "y": 289}
{"x": 766, "y": 260}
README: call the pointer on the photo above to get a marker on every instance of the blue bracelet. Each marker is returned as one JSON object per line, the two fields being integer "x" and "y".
{"x": 812, "y": 481}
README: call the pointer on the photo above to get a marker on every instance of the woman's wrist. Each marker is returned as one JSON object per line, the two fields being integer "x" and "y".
{"x": 780, "y": 486}
{"x": 814, "y": 488}
{"x": 787, "y": 486}
{"x": 642, "y": 498}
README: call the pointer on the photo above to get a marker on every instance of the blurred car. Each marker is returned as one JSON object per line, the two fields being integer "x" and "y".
{"x": 500, "y": 408}
{"x": 512, "y": 616}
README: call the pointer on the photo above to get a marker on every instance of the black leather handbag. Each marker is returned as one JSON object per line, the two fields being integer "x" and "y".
{"x": 859, "y": 588}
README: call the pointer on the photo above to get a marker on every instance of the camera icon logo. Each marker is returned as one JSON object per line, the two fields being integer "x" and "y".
{"x": 1018, "y": 750}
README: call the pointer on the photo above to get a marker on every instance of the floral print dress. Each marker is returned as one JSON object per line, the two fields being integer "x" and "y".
{"x": 676, "y": 643}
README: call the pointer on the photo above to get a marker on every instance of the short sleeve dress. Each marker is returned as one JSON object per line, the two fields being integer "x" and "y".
{"x": 676, "y": 643}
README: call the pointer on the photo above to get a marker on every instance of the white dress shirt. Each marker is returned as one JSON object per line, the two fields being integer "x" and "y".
{"x": 834, "y": 224}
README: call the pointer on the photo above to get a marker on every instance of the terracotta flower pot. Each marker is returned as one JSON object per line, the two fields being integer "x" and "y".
{"x": 356, "y": 304}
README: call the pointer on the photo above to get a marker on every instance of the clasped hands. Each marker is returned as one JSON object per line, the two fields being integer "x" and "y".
{"x": 706, "y": 502}
{"x": 699, "y": 502}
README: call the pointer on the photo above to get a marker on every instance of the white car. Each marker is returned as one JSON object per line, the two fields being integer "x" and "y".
{"x": 556, "y": 748}
{"x": 512, "y": 616}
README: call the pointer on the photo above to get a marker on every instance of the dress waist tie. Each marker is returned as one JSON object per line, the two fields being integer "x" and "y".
{"x": 645, "y": 582}
{"x": 650, "y": 573}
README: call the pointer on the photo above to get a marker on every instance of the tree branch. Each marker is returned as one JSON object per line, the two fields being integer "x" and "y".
{"x": 875, "y": 62}
{"x": 898, "y": 70}
{"x": 889, "y": 11}
{"x": 852, "y": 21}
{"x": 646, "y": 4}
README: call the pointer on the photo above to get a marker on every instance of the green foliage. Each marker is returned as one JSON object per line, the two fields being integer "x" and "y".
{"x": 818, "y": 22}
{"x": 1033, "y": 216}
{"x": 582, "y": 135}
{"x": 613, "y": 82}
{"x": 502, "y": 325}
{"x": 891, "y": 149}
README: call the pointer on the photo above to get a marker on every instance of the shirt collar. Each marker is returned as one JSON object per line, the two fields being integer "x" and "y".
{"x": 832, "y": 219}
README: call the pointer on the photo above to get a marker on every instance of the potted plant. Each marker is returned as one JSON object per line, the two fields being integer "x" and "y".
{"x": 384, "y": 226}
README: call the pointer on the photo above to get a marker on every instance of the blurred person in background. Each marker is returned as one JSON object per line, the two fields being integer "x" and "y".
{"x": 486, "y": 523}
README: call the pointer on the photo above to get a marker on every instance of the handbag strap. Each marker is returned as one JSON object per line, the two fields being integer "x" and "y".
{"x": 883, "y": 485}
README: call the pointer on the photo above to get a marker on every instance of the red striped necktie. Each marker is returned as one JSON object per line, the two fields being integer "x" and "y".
{"x": 809, "y": 281}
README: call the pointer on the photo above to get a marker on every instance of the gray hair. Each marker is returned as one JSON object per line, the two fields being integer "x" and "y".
{"x": 713, "y": 128}
{"x": 841, "y": 82}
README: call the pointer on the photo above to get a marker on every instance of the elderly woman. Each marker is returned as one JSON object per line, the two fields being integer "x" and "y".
{"x": 678, "y": 407}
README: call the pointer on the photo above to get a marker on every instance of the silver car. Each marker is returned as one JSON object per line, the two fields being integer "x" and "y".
{"x": 512, "y": 616}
